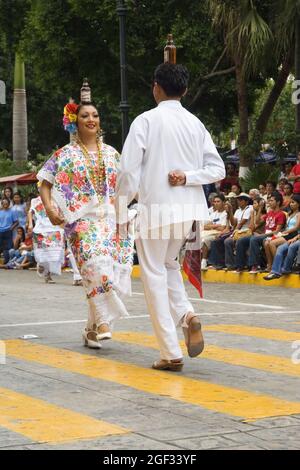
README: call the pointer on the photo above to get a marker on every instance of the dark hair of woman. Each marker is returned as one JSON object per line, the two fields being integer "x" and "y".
{"x": 18, "y": 194}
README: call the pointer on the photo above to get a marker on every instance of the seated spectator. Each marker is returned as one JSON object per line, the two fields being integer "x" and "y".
{"x": 285, "y": 257}
{"x": 270, "y": 188}
{"x": 212, "y": 229}
{"x": 208, "y": 190}
{"x": 275, "y": 220}
{"x": 17, "y": 241}
{"x": 281, "y": 183}
{"x": 262, "y": 190}
{"x": 236, "y": 189}
{"x": 253, "y": 193}
{"x": 216, "y": 258}
{"x": 294, "y": 176}
{"x": 8, "y": 222}
{"x": 26, "y": 260}
{"x": 240, "y": 222}
{"x": 291, "y": 230}
{"x": 230, "y": 178}
{"x": 257, "y": 228}
{"x": 298, "y": 259}
{"x": 232, "y": 199}
{"x": 287, "y": 196}
{"x": 226, "y": 189}
{"x": 7, "y": 194}
{"x": 286, "y": 170}
{"x": 211, "y": 198}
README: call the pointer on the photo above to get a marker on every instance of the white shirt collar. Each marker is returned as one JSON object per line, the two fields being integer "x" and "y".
{"x": 171, "y": 103}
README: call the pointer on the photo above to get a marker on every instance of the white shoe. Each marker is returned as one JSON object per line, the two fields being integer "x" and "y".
{"x": 103, "y": 332}
{"x": 90, "y": 339}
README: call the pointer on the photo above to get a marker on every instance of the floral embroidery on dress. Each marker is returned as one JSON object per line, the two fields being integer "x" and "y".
{"x": 68, "y": 173}
{"x": 49, "y": 240}
{"x": 98, "y": 252}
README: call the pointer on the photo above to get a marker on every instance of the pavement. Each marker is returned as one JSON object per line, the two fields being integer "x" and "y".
{"x": 242, "y": 393}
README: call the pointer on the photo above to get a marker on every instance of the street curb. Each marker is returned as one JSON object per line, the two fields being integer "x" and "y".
{"x": 291, "y": 281}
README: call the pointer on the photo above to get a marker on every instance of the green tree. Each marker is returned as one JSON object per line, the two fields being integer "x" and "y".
{"x": 20, "y": 133}
{"x": 12, "y": 20}
{"x": 65, "y": 41}
{"x": 262, "y": 35}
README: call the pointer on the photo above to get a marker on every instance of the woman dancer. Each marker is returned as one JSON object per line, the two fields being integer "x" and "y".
{"x": 82, "y": 178}
{"x": 48, "y": 241}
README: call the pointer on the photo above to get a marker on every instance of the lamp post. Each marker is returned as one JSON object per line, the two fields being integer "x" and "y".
{"x": 124, "y": 107}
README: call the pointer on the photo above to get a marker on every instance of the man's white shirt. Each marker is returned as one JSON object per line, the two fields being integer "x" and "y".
{"x": 161, "y": 140}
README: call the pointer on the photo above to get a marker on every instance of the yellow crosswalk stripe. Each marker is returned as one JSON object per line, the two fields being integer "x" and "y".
{"x": 237, "y": 357}
{"x": 229, "y": 400}
{"x": 44, "y": 422}
{"x": 258, "y": 332}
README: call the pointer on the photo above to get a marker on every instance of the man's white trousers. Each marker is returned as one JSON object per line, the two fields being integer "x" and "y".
{"x": 165, "y": 294}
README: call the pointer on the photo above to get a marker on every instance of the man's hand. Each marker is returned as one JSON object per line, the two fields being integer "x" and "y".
{"x": 54, "y": 217}
{"x": 177, "y": 178}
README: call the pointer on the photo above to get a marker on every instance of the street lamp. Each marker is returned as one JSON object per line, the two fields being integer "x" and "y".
{"x": 124, "y": 107}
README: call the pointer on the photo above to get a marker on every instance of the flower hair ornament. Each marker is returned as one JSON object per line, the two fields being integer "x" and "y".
{"x": 70, "y": 117}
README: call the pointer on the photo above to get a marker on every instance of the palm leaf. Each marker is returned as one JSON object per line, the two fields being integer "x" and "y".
{"x": 259, "y": 174}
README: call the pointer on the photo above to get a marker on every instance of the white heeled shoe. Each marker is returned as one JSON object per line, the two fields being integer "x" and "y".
{"x": 90, "y": 339}
{"x": 103, "y": 332}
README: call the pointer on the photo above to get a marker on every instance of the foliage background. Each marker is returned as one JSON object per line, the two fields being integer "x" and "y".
{"x": 63, "y": 41}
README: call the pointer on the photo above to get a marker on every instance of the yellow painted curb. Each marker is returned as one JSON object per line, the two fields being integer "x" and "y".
{"x": 229, "y": 277}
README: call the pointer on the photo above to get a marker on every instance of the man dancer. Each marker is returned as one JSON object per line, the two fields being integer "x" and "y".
{"x": 167, "y": 157}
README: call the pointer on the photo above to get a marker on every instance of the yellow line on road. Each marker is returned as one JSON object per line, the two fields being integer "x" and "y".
{"x": 44, "y": 422}
{"x": 229, "y": 400}
{"x": 264, "y": 333}
{"x": 237, "y": 357}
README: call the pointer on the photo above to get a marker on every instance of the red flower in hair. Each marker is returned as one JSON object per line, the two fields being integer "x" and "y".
{"x": 71, "y": 108}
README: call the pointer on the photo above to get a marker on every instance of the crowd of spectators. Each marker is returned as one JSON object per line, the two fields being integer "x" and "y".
{"x": 16, "y": 233}
{"x": 15, "y": 239}
{"x": 258, "y": 231}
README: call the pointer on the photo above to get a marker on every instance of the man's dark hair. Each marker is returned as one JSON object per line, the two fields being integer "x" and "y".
{"x": 296, "y": 198}
{"x": 289, "y": 185}
{"x": 220, "y": 196}
{"x": 278, "y": 197}
{"x": 173, "y": 78}
{"x": 272, "y": 183}
{"x": 237, "y": 185}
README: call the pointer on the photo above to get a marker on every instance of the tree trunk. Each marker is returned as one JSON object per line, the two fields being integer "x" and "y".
{"x": 297, "y": 70}
{"x": 243, "y": 116}
{"x": 263, "y": 119}
{"x": 20, "y": 131}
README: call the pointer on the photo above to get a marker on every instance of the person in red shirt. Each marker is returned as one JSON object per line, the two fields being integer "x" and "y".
{"x": 230, "y": 178}
{"x": 294, "y": 176}
{"x": 275, "y": 220}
